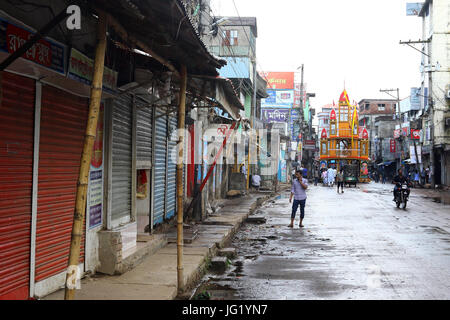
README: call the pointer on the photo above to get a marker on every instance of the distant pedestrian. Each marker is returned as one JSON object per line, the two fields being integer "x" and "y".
{"x": 340, "y": 180}
{"x": 330, "y": 177}
{"x": 416, "y": 179}
{"x": 298, "y": 191}
{"x": 427, "y": 175}
{"x": 316, "y": 176}
{"x": 325, "y": 177}
{"x": 422, "y": 177}
{"x": 383, "y": 177}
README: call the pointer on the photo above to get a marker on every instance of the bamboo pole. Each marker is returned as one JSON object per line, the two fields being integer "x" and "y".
{"x": 80, "y": 204}
{"x": 180, "y": 163}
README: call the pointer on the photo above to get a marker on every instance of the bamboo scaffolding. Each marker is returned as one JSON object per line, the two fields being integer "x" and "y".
{"x": 83, "y": 179}
{"x": 180, "y": 163}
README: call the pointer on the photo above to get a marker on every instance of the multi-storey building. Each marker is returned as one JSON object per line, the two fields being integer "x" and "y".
{"x": 435, "y": 68}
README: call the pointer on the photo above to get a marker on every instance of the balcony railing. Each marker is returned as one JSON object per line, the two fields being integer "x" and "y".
{"x": 347, "y": 153}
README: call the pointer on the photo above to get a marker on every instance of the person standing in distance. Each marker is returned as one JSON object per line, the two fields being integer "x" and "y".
{"x": 340, "y": 180}
{"x": 298, "y": 191}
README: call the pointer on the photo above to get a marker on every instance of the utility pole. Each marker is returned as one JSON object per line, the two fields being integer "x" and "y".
{"x": 399, "y": 119}
{"x": 430, "y": 98}
{"x": 300, "y": 112}
{"x": 430, "y": 103}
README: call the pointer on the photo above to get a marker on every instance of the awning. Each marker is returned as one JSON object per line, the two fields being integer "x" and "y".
{"x": 227, "y": 97}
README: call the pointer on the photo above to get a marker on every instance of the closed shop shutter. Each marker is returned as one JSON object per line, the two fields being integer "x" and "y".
{"x": 171, "y": 168}
{"x": 160, "y": 167}
{"x": 16, "y": 175}
{"x": 143, "y": 133}
{"x": 121, "y": 157}
{"x": 63, "y": 124}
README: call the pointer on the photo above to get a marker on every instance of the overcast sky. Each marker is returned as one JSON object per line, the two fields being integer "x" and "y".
{"x": 352, "y": 40}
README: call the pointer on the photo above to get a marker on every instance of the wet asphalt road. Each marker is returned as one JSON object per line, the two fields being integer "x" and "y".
{"x": 355, "y": 245}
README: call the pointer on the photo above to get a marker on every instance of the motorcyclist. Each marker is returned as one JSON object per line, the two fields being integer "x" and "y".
{"x": 399, "y": 180}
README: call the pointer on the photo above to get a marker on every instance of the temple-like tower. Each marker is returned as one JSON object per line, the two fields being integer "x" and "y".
{"x": 345, "y": 145}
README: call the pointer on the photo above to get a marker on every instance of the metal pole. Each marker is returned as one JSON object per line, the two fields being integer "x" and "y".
{"x": 181, "y": 125}
{"x": 83, "y": 178}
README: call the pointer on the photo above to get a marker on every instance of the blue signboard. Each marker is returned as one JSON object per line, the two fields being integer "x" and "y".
{"x": 413, "y": 9}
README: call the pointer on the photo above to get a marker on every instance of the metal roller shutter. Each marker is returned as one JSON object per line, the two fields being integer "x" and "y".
{"x": 121, "y": 157}
{"x": 143, "y": 132}
{"x": 63, "y": 124}
{"x": 16, "y": 176}
{"x": 171, "y": 168}
{"x": 160, "y": 167}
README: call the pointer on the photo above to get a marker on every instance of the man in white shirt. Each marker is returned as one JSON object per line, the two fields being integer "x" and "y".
{"x": 256, "y": 181}
{"x": 330, "y": 178}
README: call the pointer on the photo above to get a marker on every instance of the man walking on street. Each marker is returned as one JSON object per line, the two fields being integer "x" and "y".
{"x": 316, "y": 176}
{"x": 340, "y": 180}
{"x": 298, "y": 191}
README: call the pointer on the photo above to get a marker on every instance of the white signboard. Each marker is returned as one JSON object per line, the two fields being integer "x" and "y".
{"x": 413, "y": 154}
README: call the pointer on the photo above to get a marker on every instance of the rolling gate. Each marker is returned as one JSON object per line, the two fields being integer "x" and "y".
{"x": 62, "y": 126}
{"x": 16, "y": 176}
{"x": 121, "y": 158}
{"x": 164, "y": 164}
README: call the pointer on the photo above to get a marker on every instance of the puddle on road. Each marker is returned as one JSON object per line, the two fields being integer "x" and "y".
{"x": 214, "y": 291}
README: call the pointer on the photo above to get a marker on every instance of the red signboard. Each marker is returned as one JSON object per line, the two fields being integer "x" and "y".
{"x": 279, "y": 80}
{"x": 396, "y": 133}
{"x": 40, "y": 53}
{"x": 415, "y": 134}
{"x": 44, "y": 52}
{"x": 310, "y": 142}
{"x": 405, "y": 131}
{"x": 392, "y": 145}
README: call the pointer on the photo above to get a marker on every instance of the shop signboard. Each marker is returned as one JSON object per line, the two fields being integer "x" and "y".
{"x": 279, "y": 80}
{"x": 81, "y": 68}
{"x": 392, "y": 145}
{"x": 309, "y": 145}
{"x": 278, "y": 99}
{"x": 95, "y": 184}
{"x": 413, "y": 8}
{"x": 275, "y": 115}
{"x": 44, "y": 52}
{"x": 415, "y": 134}
{"x": 396, "y": 133}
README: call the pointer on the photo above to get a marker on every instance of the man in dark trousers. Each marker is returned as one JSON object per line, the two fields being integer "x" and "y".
{"x": 298, "y": 191}
{"x": 340, "y": 180}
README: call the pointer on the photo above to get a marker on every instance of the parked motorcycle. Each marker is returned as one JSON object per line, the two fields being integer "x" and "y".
{"x": 402, "y": 195}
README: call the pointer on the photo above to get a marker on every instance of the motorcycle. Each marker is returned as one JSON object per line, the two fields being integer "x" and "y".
{"x": 402, "y": 196}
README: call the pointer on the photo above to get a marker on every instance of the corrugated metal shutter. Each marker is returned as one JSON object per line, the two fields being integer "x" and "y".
{"x": 121, "y": 157}
{"x": 63, "y": 124}
{"x": 16, "y": 176}
{"x": 160, "y": 167}
{"x": 143, "y": 132}
{"x": 171, "y": 168}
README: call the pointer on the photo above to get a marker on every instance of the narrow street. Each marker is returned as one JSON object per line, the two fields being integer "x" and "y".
{"x": 355, "y": 245}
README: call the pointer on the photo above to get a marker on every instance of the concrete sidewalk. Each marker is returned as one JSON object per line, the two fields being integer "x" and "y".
{"x": 156, "y": 277}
